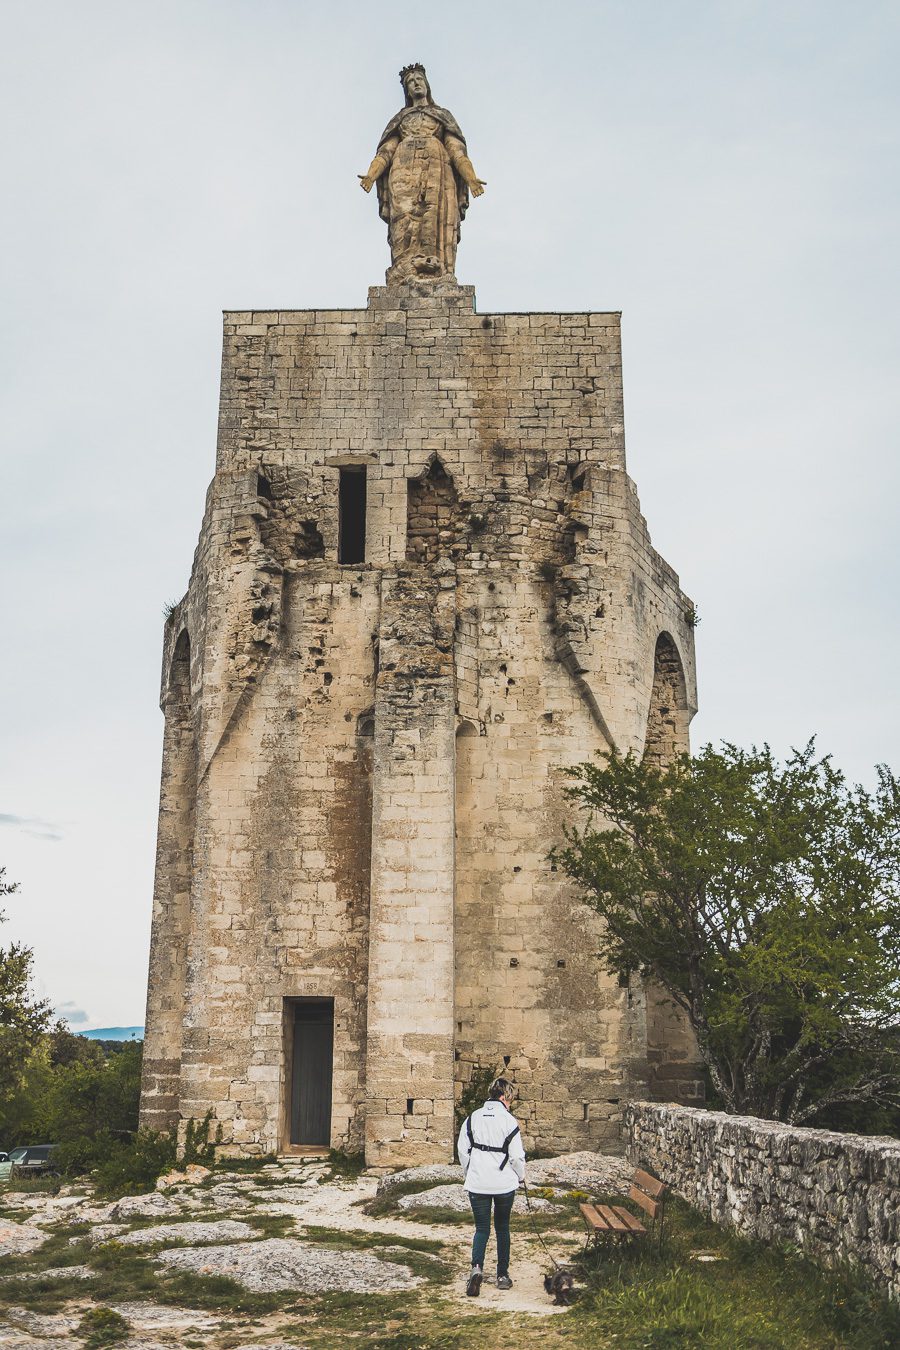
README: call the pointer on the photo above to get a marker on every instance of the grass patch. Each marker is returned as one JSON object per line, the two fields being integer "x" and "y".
{"x": 417, "y": 1254}
{"x": 754, "y": 1296}
{"x": 347, "y": 1165}
{"x": 439, "y": 1217}
{"x": 41, "y": 1185}
{"x": 243, "y": 1166}
{"x": 381, "y": 1322}
{"x": 272, "y": 1225}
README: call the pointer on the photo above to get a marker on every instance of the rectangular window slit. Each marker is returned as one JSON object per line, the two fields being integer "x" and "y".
{"x": 409, "y": 1106}
{"x": 352, "y": 516}
{"x": 584, "y": 1110}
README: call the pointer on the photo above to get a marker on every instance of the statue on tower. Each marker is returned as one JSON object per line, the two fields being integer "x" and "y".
{"x": 424, "y": 178}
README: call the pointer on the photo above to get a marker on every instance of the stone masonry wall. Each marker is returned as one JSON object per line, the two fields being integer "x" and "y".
{"x": 362, "y": 779}
{"x": 835, "y": 1196}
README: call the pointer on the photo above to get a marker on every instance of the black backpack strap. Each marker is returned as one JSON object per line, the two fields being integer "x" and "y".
{"x": 492, "y": 1148}
{"x": 506, "y": 1143}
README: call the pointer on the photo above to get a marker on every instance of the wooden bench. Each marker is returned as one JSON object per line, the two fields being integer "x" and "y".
{"x": 617, "y": 1224}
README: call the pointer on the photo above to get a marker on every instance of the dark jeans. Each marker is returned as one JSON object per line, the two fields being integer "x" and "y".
{"x": 481, "y": 1208}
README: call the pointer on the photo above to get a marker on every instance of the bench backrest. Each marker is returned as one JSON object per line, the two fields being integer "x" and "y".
{"x": 648, "y": 1192}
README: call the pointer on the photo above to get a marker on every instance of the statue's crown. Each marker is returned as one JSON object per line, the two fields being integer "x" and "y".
{"x": 408, "y": 70}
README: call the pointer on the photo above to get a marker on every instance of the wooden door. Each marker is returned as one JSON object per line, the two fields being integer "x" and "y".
{"x": 311, "y": 1073}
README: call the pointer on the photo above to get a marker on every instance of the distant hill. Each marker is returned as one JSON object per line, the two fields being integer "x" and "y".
{"x": 114, "y": 1034}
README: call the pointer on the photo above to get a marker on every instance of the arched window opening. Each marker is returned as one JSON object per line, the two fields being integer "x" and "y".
{"x": 667, "y": 718}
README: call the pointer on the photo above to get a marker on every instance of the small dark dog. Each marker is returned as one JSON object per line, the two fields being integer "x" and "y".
{"x": 560, "y": 1285}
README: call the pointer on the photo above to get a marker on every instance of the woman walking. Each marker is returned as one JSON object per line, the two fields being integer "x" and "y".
{"x": 493, "y": 1159}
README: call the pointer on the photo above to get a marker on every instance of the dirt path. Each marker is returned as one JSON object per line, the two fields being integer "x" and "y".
{"x": 337, "y": 1206}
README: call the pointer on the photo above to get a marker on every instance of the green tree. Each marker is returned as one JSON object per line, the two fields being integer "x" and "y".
{"x": 23, "y": 1019}
{"x": 766, "y": 900}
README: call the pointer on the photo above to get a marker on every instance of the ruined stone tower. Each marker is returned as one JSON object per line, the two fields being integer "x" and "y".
{"x": 423, "y": 587}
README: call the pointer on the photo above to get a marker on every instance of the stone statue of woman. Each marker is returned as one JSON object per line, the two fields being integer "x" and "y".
{"x": 424, "y": 178}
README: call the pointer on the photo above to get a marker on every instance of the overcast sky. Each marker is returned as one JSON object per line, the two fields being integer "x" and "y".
{"x": 725, "y": 173}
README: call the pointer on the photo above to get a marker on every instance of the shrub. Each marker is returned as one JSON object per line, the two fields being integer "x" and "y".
{"x": 103, "y": 1326}
{"x": 132, "y": 1168}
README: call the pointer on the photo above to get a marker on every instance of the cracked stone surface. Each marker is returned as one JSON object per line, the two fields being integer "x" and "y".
{"x": 55, "y": 1273}
{"x": 436, "y": 1172}
{"x": 17, "y": 1239}
{"x": 41, "y": 1324}
{"x": 142, "y": 1206}
{"x": 453, "y": 1197}
{"x": 10, "y": 1339}
{"x": 103, "y": 1232}
{"x": 196, "y": 1234}
{"x": 191, "y": 1175}
{"x": 161, "y": 1317}
{"x": 583, "y": 1171}
{"x": 286, "y": 1263}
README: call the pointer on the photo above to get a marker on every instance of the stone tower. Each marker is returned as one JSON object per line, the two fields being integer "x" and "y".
{"x": 423, "y": 587}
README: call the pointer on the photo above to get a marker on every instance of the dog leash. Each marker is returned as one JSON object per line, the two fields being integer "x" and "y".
{"x": 537, "y": 1233}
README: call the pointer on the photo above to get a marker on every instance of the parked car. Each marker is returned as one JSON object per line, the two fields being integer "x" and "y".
{"x": 30, "y": 1161}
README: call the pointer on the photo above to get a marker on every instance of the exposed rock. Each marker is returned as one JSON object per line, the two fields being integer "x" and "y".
{"x": 156, "y": 1315}
{"x": 192, "y": 1175}
{"x": 53, "y": 1273}
{"x": 17, "y": 1239}
{"x": 584, "y": 1171}
{"x": 196, "y": 1234}
{"x": 44, "y": 1208}
{"x": 142, "y": 1206}
{"x": 11, "y": 1339}
{"x": 298, "y": 1195}
{"x": 270, "y": 1345}
{"x": 286, "y": 1263}
{"x": 436, "y": 1172}
{"x": 102, "y": 1232}
{"x": 453, "y": 1197}
{"x": 41, "y": 1324}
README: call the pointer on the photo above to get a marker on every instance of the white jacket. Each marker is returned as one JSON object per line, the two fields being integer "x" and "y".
{"x": 490, "y": 1125}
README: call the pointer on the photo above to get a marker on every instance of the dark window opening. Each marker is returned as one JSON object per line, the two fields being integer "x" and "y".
{"x": 263, "y": 487}
{"x": 409, "y": 1106}
{"x": 352, "y": 516}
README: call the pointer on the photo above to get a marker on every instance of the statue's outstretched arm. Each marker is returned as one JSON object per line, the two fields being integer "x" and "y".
{"x": 379, "y": 163}
{"x": 463, "y": 165}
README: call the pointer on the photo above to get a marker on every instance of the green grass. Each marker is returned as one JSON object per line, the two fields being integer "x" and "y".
{"x": 753, "y": 1298}
{"x": 40, "y": 1185}
{"x": 417, "y": 1254}
{"x": 102, "y": 1326}
{"x": 348, "y": 1165}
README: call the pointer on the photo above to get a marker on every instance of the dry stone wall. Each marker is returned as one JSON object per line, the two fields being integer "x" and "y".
{"x": 362, "y": 776}
{"x": 835, "y": 1196}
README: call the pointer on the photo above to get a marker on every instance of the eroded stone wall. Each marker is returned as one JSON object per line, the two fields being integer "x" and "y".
{"x": 379, "y": 745}
{"x": 834, "y": 1196}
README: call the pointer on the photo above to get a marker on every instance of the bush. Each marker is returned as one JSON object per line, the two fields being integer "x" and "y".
{"x": 103, "y": 1326}
{"x": 132, "y": 1168}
